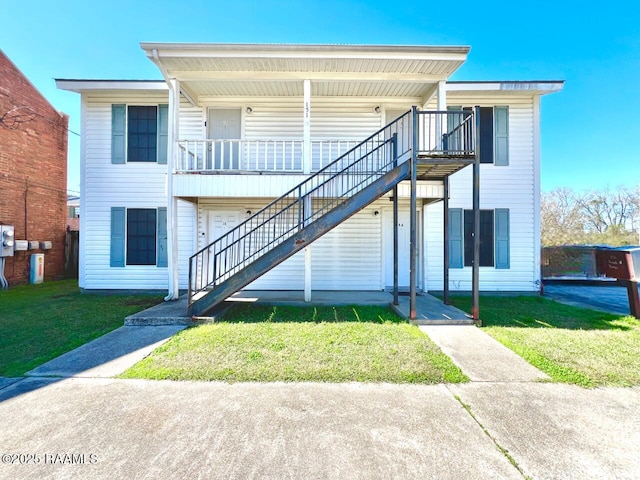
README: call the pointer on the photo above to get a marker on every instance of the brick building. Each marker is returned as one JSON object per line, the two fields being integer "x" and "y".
{"x": 33, "y": 171}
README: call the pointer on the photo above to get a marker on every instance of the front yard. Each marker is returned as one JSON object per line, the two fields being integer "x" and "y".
{"x": 570, "y": 344}
{"x": 294, "y": 344}
{"x": 41, "y": 322}
{"x": 324, "y": 344}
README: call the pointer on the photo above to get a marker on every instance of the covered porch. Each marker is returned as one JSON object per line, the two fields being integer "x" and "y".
{"x": 431, "y": 311}
{"x": 291, "y": 108}
{"x": 232, "y": 85}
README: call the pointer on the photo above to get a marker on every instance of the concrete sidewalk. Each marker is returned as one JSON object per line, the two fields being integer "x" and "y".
{"x": 109, "y": 355}
{"x": 120, "y": 429}
{"x": 504, "y": 424}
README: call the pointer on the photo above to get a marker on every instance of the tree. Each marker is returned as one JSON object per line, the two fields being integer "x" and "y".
{"x": 561, "y": 219}
{"x": 605, "y": 216}
{"x": 611, "y": 216}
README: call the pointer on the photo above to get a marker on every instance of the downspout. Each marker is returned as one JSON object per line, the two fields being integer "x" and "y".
{"x": 172, "y": 290}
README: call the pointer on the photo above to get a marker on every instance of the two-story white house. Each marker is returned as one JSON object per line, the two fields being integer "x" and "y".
{"x": 169, "y": 167}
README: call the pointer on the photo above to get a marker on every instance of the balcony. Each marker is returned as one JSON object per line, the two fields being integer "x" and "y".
{"x": 444, "y": 143}
{"x": 273, "y": 155}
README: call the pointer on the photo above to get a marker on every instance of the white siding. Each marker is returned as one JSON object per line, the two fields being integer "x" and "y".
{"x": 509, "y": 187}
{"x": 133, "y": 185}
{"x": 349, "y": 257}
{"x": 268, "y": 186}
{"x": 238, "y": 186}
{"x": 343, "y": 118}
{"x": 274, "y": 119}
{"x": 289, "y": 275}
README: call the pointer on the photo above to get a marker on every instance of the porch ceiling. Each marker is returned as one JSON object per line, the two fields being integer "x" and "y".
{"x": 279, "y": 70}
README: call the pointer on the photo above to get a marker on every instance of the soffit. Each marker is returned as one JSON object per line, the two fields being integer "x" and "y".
{"x": 279, "y": 70}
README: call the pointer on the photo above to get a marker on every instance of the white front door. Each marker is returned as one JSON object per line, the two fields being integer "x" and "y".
{"x": 403, "y": 248}
{"x": 220, "y": 222}
{"x": 224, "y": 126}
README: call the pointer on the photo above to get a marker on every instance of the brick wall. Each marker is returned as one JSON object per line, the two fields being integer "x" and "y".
{"x": 33, "y": 171}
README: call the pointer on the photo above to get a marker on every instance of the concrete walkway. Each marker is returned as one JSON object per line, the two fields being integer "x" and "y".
{"x": 481, "y": 357}
{"x": 109, "y": 355}
{"x": 431, "y": 311}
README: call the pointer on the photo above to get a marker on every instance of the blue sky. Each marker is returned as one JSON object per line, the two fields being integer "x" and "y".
{"x": 590, "y": 130}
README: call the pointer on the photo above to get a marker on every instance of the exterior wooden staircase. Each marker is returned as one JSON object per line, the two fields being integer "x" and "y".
{"x": 437, "y": 143}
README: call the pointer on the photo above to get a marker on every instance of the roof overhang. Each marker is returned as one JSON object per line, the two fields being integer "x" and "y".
{"x": 521, "y": 87}
{"x": 79, "y": 85}
{"x": 216, "y": 70}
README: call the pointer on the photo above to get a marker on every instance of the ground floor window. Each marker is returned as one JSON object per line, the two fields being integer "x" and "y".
{"x": 486, "y": 238}
{"x": 141, "y": 236}
{"x": 138, "y": 236}
{"x": 494, "y": 236}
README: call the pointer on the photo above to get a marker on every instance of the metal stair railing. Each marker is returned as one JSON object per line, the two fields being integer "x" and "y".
{"x": 287, "y": 215}
{"x": 323, "y": 191}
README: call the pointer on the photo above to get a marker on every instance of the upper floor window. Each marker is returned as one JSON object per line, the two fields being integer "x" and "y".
{"x": 493, "y": 134}
{"x": 142, "y": 133}
{"x": 139, "y": 133}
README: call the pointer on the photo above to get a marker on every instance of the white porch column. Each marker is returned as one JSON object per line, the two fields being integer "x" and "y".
{"x": 441, "y": 123}
{"x": 306, "y": 165}
{"x": 172, "y": 202}
{"x": 306, "y": 129}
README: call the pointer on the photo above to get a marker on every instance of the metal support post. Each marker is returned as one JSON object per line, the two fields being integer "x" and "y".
{"x": 395, "y": 224}
{"x": 395, "y": 246}
{"x": 445, "y": 249}
{"x": 413, "y": 247}
{"x": 475, "y": 280}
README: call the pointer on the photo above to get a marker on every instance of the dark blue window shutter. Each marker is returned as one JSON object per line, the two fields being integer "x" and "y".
{"x": 118, "y": 128}
{"x": 455, "y": 238}
{"x": 117, "y": 236}
{"x": 502, "y": 238}
{"x": 163, "y": 133}
{"x": 501, "y": 119}
{"x": 162, "y": 237}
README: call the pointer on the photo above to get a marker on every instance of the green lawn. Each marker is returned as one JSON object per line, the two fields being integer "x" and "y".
{"x": 324, "y": 344}
{"x": 41, "y": 322}
{"x": 570, "y": 344}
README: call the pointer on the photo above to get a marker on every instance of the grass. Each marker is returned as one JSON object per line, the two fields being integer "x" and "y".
{"x": 572, "y": 345}
{"x": 324, "y": 344}
{"x": 41, "y": 322}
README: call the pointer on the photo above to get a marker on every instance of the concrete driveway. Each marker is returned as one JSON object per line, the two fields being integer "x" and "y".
{"x": 608, "y": 298}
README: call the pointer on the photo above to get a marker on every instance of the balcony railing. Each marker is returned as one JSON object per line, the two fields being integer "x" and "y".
{"x": 438, "y": 134}
{"x": 260, "y": 155}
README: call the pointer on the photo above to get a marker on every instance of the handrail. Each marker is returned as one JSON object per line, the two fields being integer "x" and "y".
{"x": 324, "y": 190}
{"x": 308, "y": 180}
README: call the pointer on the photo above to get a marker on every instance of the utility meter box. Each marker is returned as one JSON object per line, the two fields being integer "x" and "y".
{"x": 45, "y": 245}
{"x": 34, "y": 245}
{"x": 21, "y": 245}
{"x": 6, "y": 241}
{"x": 36, "y": 272}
